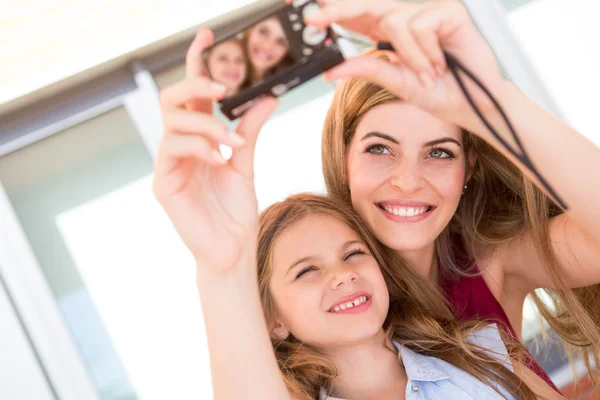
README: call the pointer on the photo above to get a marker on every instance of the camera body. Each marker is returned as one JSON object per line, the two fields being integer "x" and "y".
{"x": 278, "y": 29}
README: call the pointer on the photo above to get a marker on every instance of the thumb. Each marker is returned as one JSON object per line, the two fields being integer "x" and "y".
{"x": 242, "y": 159}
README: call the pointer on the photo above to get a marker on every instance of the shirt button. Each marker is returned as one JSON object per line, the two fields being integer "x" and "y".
{"x": 415, "y": 388}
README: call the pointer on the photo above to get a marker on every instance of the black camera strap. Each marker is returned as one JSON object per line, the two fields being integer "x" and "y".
{"x": 456, "y": 67}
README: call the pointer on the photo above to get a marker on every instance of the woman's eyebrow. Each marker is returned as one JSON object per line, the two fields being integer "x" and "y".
{"x": 380, "y": 135}
{"x": 442, "y": 140}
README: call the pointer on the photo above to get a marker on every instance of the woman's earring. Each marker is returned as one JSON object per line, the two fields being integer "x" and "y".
{"x": 464, "y": 189}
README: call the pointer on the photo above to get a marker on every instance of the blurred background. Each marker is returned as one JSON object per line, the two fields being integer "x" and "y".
{"x": 97, "y": 293}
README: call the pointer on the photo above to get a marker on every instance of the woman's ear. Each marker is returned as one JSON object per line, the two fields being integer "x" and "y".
{"x": 471, "y": 162}
{"x": 279, "y": 331}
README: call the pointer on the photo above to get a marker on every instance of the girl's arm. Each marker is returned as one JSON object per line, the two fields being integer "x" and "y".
{"x": 242, "y": 360}
{"x": 212, "y": 205}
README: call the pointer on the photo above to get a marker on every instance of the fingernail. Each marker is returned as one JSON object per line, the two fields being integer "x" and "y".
{"x": 427, "y": 80}
{"x": 218, "y": 87}
{"x": 218, "y": 157}
{"x": 236, "y": 139}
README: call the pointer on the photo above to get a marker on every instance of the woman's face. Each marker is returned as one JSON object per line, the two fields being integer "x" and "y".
{"x": 406, "y": 172}
{"x": 267, "y": 45}
{"x": 227, "y": 65}
{"x": 328, "y": 289}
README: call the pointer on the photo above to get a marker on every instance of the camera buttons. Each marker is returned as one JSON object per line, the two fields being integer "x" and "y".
{"x": 307, "y": 51}
{"x": 313, "y": 35}
{"x": 310, "y": 9}
{"x": 297, "y": 26}
{"x": 293, "y": 17}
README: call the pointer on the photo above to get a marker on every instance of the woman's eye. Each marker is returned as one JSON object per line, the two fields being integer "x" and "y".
{"x": 378, "y": 149}
{"x": 282, "y": 43}
{"x": 305, "y": 270}
{"x": 353, "y": 253}
{"x": 440, "y": 153}
{"x": 263, "y": 31}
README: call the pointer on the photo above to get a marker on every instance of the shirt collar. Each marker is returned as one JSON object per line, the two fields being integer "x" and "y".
{"x": 418, "y": 366}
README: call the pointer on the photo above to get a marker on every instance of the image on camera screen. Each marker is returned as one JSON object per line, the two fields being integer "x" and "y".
{"x": 250, "y": 57}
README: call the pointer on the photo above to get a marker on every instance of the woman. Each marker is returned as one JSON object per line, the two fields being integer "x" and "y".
{"x": 434, "y": 185}
{"x": 315, "y": 323}
{"x": 227, "y": 64}
{"x": 267, "y": 48}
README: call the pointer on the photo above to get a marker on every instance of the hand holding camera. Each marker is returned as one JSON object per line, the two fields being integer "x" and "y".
{"x": 211, "y": 202}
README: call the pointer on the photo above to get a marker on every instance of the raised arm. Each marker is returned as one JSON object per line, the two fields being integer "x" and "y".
{"x": 213, "y": 207}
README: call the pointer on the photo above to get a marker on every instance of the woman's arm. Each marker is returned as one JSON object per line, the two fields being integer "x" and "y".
{"x": 571, "y": 165}
{"x": 242, "y": 360}
{"x": 420, "y": 33}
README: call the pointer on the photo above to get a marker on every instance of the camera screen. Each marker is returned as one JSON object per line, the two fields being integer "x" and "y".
{"x": 273, "y": 45}
{"x": 249, "y": 57}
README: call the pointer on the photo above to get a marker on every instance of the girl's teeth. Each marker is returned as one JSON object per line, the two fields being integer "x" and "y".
{"x": 350, "y": 304}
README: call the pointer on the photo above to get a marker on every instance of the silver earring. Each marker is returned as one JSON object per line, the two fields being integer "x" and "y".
{"x": 464, "y": 190}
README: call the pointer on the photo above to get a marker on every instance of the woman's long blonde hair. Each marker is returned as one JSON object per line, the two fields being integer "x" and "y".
{"x": 500, "y": 204}
{"x": 418, "y": 317}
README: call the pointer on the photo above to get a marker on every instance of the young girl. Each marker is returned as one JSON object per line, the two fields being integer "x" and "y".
{"x": 227, "y": 64}
{"x": 327, "y": 316}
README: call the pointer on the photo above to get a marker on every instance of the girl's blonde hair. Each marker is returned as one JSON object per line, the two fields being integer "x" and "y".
{"x": 418, "y": 317}
{"x": 500, "y": 204}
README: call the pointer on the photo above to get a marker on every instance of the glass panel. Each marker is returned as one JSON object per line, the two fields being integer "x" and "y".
{"x": 559, "y": 39}
{"x": 121, "y": 278}
{"x": 60, "y": 174}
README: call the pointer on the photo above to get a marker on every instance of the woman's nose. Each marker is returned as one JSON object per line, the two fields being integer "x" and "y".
{"x": 407, "y": 177}
{"x": 343, "y": 276}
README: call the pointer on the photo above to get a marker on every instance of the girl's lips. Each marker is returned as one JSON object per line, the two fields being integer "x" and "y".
{"x": 355, "y": 309}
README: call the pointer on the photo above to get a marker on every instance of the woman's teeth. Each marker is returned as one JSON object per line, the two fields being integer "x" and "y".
{"x": 356, "y": 302}
{"x": 405, "y": 211}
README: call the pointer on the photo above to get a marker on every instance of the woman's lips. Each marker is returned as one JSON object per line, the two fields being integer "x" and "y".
{"x": 408, "y": 212}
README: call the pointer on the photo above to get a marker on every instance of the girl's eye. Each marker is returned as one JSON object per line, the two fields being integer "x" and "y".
{"x": 263, "y": 31}
{"x": 353, "y": 253}
{"x": 306, "y": 270}
{"x": 441, "y": 153}
{"x": 378, "y": 149}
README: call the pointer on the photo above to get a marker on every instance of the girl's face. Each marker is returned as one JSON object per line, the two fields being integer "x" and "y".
{"x": 227, "y": 65}
{"x": 328, "y": 289}
{"x": 267, "y": 45}
{"x": 406, "y": 172}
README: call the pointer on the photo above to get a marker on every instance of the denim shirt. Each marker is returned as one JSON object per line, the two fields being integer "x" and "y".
{"x": 432, "y": 378}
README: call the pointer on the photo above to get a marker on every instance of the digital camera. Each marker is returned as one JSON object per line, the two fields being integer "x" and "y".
{"x": 266, "y": 50}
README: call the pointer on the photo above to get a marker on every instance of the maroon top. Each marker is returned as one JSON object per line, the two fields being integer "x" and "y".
{"x": 471, "y": 298}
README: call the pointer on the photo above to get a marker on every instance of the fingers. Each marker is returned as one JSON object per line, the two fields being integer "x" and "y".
{"x": 398, "y": 27}
{"x": 193, "y": 61}
{"x": 183, "y": 121}
{"x": 178, "y": 146}
{"x": 249, "y": 127}
{"x": 335, "y": 11}
{"x": 189, "y": 89}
